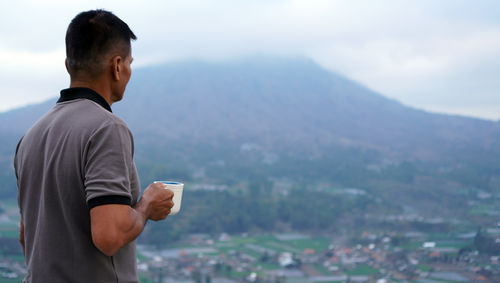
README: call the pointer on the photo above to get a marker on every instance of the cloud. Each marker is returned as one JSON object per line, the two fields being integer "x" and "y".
{"x": 30, "y": 61}
{"x": 30, "y": 77}
{"x": 434, "y": 55}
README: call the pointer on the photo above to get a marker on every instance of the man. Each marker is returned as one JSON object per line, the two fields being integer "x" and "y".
{"x": 77, "y": 182}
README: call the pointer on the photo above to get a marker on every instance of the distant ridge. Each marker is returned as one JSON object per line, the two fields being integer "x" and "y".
{"x": 282, "y": 106}
{"x": 276, "y": 102}
{"x": 283, "y": 102}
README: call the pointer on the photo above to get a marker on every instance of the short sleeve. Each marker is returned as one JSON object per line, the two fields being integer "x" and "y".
{"x": 108, "y": 163}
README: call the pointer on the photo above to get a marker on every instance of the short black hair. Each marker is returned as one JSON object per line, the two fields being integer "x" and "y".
{"x": 91, "y": 36}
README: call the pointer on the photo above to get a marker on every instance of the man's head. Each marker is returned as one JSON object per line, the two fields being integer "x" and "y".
{"x": 93, "y": 38}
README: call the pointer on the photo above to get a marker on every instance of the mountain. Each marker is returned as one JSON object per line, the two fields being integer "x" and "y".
{"x": 191, "y": 116}
{"x": 291, "y": 104}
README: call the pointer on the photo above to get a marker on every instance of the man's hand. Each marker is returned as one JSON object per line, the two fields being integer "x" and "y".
{"x": 115, "y": 225}
{"x": 156, "y": 202}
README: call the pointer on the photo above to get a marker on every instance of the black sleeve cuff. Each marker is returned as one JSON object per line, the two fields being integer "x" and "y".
{"x": 108, "y": 200}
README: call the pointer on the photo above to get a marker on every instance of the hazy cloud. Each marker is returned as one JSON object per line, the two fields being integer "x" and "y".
{"x": 437, "y": 55}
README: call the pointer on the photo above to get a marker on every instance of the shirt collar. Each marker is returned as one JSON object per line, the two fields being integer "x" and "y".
{"x": 83, "y": 92}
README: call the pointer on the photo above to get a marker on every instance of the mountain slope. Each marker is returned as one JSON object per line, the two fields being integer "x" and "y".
{"x": 290, "y": 103}
{"x": 196, "y": 113}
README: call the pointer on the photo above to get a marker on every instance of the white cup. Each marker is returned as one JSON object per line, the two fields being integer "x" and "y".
{"x": 177, "y": 189}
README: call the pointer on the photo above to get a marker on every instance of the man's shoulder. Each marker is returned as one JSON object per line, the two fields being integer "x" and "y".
{"x": 80, "y": 117}
{"x": 90, "y": 113}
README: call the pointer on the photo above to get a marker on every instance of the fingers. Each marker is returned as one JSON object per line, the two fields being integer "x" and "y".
{"x": 165, "y": 195}
{"x": 161, "y": 215}
{"x": 158, "y": 185}
{"x": 170, "y": 204}
{"x": 170, "y": 194}
{"x": 159, "y": 191}
{"x": 166, "y": 204}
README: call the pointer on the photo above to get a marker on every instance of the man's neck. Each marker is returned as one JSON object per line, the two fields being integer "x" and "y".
{"x": 97, "y": 86}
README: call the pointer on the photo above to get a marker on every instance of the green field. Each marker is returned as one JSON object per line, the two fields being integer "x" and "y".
{"x": 322, "y": 269}
{"x": 362, "y": 270}
{"x": 424, "y": 268}
{"x": 271, "y": 242}
{"x": 318, "y": 244}
{"x": 267, "y": 266}
{"x": 484, "y": 209}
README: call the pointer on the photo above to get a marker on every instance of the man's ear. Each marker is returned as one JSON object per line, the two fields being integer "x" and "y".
{"x": 116, "y": 64}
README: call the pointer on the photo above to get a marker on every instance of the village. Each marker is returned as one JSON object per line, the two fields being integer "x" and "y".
{"x": 295, "y": 257}
{"x": 403, "y": 247}
{"x": 299, "y": 258}
{"x": 391, "y": 252}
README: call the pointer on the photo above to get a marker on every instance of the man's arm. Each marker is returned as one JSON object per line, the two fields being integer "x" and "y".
{"x": 21, "y": 236}
{"x": 115, "y": 225}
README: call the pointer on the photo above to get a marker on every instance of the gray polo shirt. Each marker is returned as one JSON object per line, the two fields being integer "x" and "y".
{"x": 78, "y": 156}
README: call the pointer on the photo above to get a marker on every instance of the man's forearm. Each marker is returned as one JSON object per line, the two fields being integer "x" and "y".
{"x": 139, "y": 218}
{"x": 114, "y": 225}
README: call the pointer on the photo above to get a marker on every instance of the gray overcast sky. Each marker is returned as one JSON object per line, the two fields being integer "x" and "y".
{"x": 442, "y": 56}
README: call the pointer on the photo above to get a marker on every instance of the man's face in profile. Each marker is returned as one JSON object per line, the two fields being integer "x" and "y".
{"x": 125, "y": 74}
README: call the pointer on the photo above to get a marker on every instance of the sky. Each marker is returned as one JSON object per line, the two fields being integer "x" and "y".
{"x": 440, "y": 56}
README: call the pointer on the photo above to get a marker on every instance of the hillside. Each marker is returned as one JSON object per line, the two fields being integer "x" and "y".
{"x": 290, "y": 104}
{"x": 286, "y": 118}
